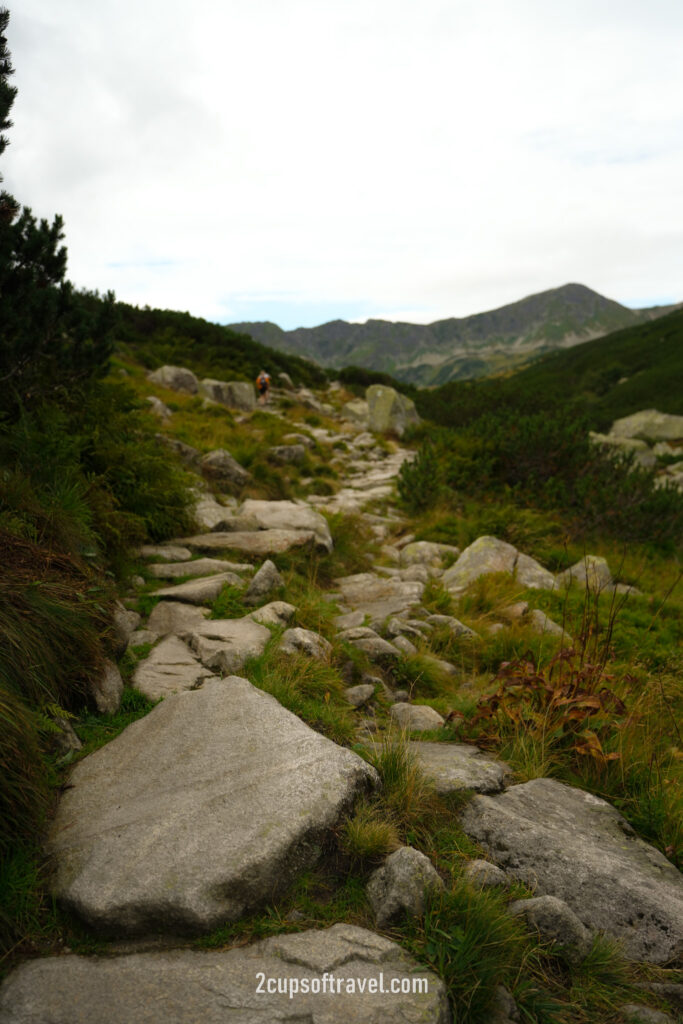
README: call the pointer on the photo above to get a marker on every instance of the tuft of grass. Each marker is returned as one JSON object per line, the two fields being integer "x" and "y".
{"x": 311, "y": 689}
{"x": 229, "y": 604}
{"x": 472, "y": 943}
{"x": 368, "y": 835}
{"x": 408, "y": 796}
{"x": 95, "y": 731}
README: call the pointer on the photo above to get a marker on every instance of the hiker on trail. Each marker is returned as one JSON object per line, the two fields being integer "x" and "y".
{"x": 263, "y": 386}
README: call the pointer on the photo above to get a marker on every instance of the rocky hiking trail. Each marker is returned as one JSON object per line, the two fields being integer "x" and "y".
{"x": 209, "y": 807}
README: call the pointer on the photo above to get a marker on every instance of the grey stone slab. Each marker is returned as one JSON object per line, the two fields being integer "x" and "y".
{"x": 457, "y": 766}
{"x": 400, "y": 885}
{"x": 201, "y": 811}
{"x": 225, "y": 644}
{"x": 257, "y": 542}
{"x": 200, "y": 567}
{"x": 289, "y": 515}
{"x": 187, "y": 986}
{"x": 169, "y": 552}
{"x": 567, "y": 843}
{"x": 484, "y": 555}
{"x": 175, "y": 617}
{"x": 415, "y": 717}
{"x": 169, "y": 668}
{"x": 200, "y": 591}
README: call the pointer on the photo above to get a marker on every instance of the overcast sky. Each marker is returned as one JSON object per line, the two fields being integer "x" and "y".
{"x": 303, "y": 160}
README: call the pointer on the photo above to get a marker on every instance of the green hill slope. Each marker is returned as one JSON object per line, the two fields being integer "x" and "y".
{"x": 458, "y": 348}
{"x": 156, "y": 336}
{"x": 637, "y": 368}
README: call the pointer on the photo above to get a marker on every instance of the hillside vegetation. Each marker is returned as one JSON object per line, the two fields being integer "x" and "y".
{"x": 458, "y": 348}
{"x": 640, "y": 367}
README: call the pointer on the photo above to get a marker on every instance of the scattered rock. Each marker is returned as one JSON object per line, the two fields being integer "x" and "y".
{"x": 555, "y": 922}
{"x": 503, "y": 1008}
{"x": 236, "y": 394}
{"x": 633, "y": 1013}
{"x": 530, "y": 573}
{"x": 218, "y": 798}
{"x": 567, "y": 843}
{"x": 404, "y": 645}
{"x": 453, "y": 767}
{"x": 305, "y": 641}
{"x": 200, "y": 567}
{"x": 169, "y": 668}
{"x": 357, "y": 410}
{"x": 277, "y": 613}
{"x": 289, "y": 515}
{"x": 226, "y": 644}
{"x": 454, "y": 626}
{"x": 643, "y": 455}
{"x": 107, "y": 689}
{"x": 209, "y": 513}
{"x": 368, "y": 641}
{"x": 591, "y": 572}
{"x": 286, "y": 454}
{"x": 389, "y": 411}
{"x": 649, "y": 425}
{"x": 144, "y": 636}
{"x": 258, "y": 543}
{"x": 220, "y": 466}
{"x": 125, "y": 623}
{"x": 415, "y": 717}
{"x": 484, "y": 875}
{"x": 176, "y": 378}
{"x": 400, "y": 885}
{"x": 175, "y": 617}
{"x": 214, "y": 987}
{"x": 264, "y": 582}
{"x": 540, "y": 623}
{"x": 379, "y": 598}
{"x": 515, "y": 612}
{"x": 200, "y": 591}
{"x": 169, "y": 552}
{"x": 189, "y": 455}
{"x": 158, "y": 408}
{"x": 485, "y": 555}
{"x": 360, "y": 694}
{"x": 424, "y": 552}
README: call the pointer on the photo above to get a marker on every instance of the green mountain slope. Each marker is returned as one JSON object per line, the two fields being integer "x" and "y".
{"x": 453, "y": 349}
{"x": 157, "y": 336}
{"x": 637, "y": 368}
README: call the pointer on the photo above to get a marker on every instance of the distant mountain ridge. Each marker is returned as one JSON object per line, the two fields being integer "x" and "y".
{"x": 459, "y": 348}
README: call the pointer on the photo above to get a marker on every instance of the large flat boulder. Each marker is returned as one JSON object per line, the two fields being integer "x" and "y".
{"x": 489, "y": 554}
{"x": 236, "y": 394}
{"x": 288, "y": 515}
{"x": 231, "y": 986}
{"x": 169, "y": 668}
{"x": 257, "y": 542}
{"x": 177, "y": 378}
{"x": 226, "y": 644}
{"x": 389, "y": 411}
{"x": 649, "y": 425}
{"x": 206, "y": 808}
{"x": 203, "y": 590}
{"x": 199, "y": 567}
{"x": 484, "y": 555}
{"x": 175, "y": 617}
{"x": 379, "y": 597}
{"x": 567, "y": 843}
{"x": 453, "y": 767}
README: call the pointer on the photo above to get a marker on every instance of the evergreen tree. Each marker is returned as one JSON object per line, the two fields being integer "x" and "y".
{"x": 51, "y": 338}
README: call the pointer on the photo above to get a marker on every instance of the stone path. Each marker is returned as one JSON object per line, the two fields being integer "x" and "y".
{"x": 211, "y": 805}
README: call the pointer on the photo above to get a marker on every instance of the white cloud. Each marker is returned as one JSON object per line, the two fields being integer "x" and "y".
{"x": 442, "y": 156}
